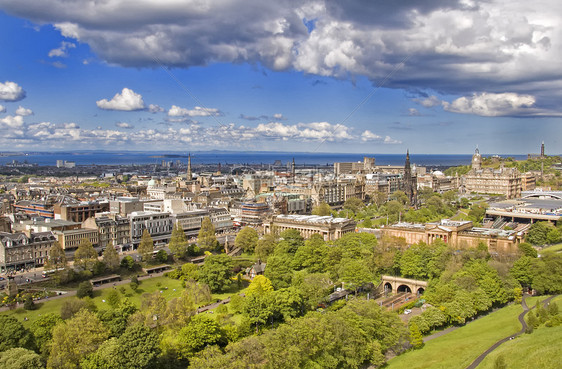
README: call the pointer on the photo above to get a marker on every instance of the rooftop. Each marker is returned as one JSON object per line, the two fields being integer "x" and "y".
{"x": 312, "y": 219}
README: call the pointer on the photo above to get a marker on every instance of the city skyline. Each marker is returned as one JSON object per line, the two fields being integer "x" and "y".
{"x": 442, "y": 77}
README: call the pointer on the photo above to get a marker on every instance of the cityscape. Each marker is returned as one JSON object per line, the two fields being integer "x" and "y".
{"x": 318, "y": 184}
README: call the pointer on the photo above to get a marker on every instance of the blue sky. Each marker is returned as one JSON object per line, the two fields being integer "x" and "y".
{"x": 326, "y": 76}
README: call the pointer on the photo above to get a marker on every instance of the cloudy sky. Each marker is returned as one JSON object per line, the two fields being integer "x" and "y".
{"x": 434, "y": 76}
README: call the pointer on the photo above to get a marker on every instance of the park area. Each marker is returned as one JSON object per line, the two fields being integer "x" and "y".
{"x": 459, "y": 348}
{"x": 168, "y": 287}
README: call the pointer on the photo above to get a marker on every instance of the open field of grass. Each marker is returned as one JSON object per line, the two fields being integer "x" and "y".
{"x": 459, "y": 348}
{"x": 169, "y": 288}
{"x": 541, "y": 349}
{"x": 553, "y": 248}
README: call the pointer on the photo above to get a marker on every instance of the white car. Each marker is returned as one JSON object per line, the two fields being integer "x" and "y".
{"x": 407, "y": 311}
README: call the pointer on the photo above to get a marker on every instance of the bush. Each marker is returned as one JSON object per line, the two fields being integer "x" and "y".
{"x": 128, "y": 262}
{"x": 135, "y": 280}
{"x": 134, "y": 286}
{"x": 162, "y": 256}
{"x": 85, "y": 289}
{"x": 29, "y": 304}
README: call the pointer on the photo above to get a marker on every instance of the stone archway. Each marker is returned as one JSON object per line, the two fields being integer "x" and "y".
{"x": 388, "y": 287}
{"x": 404, "y": 288}
{"x": 420, "y": 291}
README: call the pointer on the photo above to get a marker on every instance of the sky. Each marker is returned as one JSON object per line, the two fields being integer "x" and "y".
{"x": 354, "y": 76}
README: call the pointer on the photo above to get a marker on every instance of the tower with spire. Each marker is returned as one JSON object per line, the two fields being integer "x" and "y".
{"x": 293, "y": 170}
{"x": 409, "y": 181}
{"x": 476, "y": 160}
{"x": 189, "y": 173}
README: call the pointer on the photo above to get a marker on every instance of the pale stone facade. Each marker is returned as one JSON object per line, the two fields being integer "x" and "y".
{"x": 502, "y": 181}
{"x": 328, "y": 227}
{"x": 459, "y": 234}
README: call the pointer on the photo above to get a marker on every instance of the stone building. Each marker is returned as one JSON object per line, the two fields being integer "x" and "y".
{"x": 70, "y": 240}
{"x": 114, "y": 230}
{"x": 502, "y": 181}
{"x": 158, "y": 225}
{"x": 79, "y": 212}
{"x": 458, "y": 234}
{"x": 409, "y": 182}
{"x": 19, "y": 250}
{"x": 328, "y": 227}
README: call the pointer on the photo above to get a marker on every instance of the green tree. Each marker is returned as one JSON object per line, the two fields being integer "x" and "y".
{"x": 137, "y": 348}
{"x": 259, "y": 286}
{"x": 266, "y": 246}
{"x": 527, "y": 249}
{"x": 28, "y": 303}
{"x": 42, "y": 329}
{"x": 128, "y": 262}
{"x": 522, "y": 270}
{"x": 207, "y": 239}
{"x": 162, "y": 256}
{"x": 13, "y": 334}
{"x": 353, "y": 204}
{"x": 416, "y": 338}
{"x": 85, "y": 289}
{"x": 290, "y": 241}
{"x": 247, "y": 239}
{"x": 322, "y": 209}
{"x": 116, "y": 319}
{"x": 146, "y": 246}
{"x": 113, "y": 298}
{"x": 279, "y": 271}
{"x": 20, "y": 358}
{"x": 190, "y": 271}
{"x": 200, "y": 332}
{"x": 553, "y": 236}
{"x": 354, "y": 274}
{"x": 75, "y": 339}
{"x": 538, "y": 232}
{"x": 400, "y": 196}
{"x": 111, "y": 258}
{"x": 56, "y": 260}
{"x": 312, "y": 255}
{"x": 73, "y": 305}
{"x": 85, "y": 256}
{"x": 178, "y": 242}
{"x": 216, "y": 272}
{"x": 547, "y": 273}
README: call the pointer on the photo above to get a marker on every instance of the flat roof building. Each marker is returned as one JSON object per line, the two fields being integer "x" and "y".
{"x": 328, "y": 227}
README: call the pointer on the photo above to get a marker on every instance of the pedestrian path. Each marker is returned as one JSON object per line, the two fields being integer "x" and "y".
{"x": 521, "y": 318}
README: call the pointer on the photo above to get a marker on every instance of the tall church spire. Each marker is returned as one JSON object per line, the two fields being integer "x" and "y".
{"x": 189, "y": 173}
{"x": 408, "y": 182}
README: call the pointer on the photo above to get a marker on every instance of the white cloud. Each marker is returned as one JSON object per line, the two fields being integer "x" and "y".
{"x": 2, "y": 109}
{"x": 176, "y": 111}
{"x": 11, "y": 122}
{"x": 11, "y": 91}
{"x": 124, "y": 125}
{"x": 413, "y": 112}
{"x": 23, "y": 111}
{"x": 391, "y": 141}
{"x": 153, "y": 108}
{"x": 454, "y": 47}
{"x": 494, "y": 105}
{"x": 62, "y": 50}
{"x": 127, "y": 100}
{"x": 370, "y": 136}
{"x": 428, "y": 102}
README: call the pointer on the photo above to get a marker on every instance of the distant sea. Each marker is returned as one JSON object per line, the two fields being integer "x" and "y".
{"x": 229, "y": 157}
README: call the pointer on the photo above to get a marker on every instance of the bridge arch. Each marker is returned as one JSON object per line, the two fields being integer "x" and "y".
{"x": 398, "y": 284}
{"x": 404, "y": 288}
